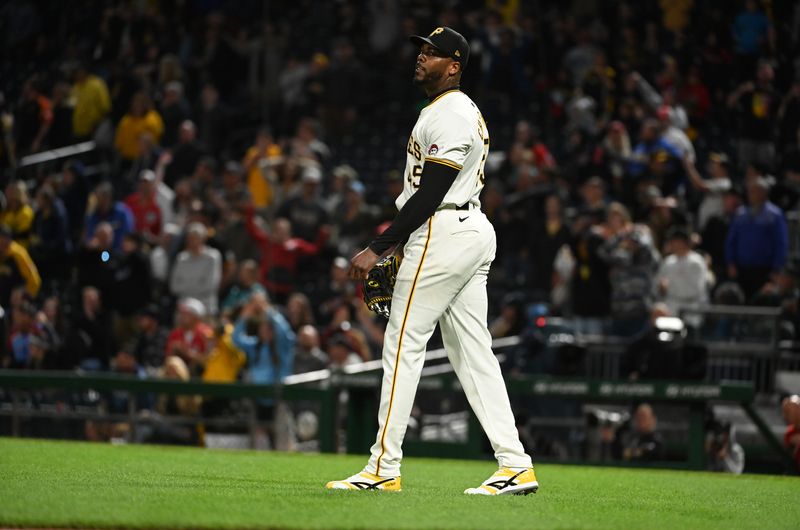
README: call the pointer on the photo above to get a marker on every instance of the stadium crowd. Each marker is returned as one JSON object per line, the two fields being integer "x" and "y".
{"x": 644, "y": 158}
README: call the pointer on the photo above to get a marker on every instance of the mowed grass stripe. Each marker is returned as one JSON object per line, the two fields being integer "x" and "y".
{"x": 80, "y": 485}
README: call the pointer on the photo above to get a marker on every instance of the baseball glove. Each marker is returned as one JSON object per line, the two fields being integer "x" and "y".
{"x": 379, "y": 285}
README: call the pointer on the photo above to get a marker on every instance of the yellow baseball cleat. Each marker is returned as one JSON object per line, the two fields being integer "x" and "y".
{"x": 365, "y": 481}
{"x": 507, "y": 481}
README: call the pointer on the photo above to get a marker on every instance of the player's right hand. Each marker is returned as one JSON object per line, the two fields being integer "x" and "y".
{"x": 362, "y": 263}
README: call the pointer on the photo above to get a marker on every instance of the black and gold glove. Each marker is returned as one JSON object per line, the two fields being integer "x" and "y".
{"x": 379, "y": 285}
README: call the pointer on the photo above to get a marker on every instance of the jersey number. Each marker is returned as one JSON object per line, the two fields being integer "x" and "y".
{"x": 414, "y": 176}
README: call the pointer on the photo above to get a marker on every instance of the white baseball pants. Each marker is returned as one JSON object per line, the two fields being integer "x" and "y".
{"x": 442, "y": 278}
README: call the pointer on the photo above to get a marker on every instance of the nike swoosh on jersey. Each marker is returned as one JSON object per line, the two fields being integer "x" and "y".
{"x": 462, "y": 219}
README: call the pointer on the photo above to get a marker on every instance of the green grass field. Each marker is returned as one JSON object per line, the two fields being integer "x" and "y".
{"x": 79, "y": 485}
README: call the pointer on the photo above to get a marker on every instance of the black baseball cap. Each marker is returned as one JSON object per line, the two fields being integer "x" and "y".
{"x": 448, "y": 41}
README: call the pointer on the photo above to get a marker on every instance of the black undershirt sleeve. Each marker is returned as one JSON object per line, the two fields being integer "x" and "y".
{"x": 434, "y": 182}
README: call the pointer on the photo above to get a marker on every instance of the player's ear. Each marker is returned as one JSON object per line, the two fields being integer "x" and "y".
{"x": 455, "y": 68}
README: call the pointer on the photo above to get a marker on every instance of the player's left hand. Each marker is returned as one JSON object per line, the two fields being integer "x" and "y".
{"x": 362, "y": 263}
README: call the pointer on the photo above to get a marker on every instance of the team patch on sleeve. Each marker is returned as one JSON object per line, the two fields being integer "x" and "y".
{"x": 444, "y": 162}
{"x": 433, "y": 149}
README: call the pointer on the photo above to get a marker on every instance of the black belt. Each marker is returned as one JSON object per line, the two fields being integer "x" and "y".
{"x": 462, "y": 208}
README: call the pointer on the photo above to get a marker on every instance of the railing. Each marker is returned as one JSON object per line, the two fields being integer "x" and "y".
{"x": 742, "y": 341}
{"x": 361, "y": 383}
{"x": 59, "y": 153}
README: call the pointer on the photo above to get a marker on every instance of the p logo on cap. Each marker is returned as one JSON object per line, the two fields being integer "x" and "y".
{"x": 436, "y": 32}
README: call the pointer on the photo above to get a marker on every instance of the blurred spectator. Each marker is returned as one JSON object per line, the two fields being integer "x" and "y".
{"x": 528, "y": 148}
{"x": 267, "y": 340}
{"x": 343, "y": 325}
{"x": 148, "y": 344}
{"x": 33, "y": 118}
{"x": 174, "y": 110}
{"x": 259, "y": 161}
{"x": 752, "y": 33}
{"x": 16, "y": 268}
{"x": 211, "y": 119}
{"x": 153, "y": 428}
{"x": 74, "y": 192}
{"x": 190, "y": 338}
{"x": 55, "y": 330}
{"x": 613, "y": 155}
{"x": 91, "y": 342}
{"x": 695, "y": 95}
{"x": 756, "y": 104}
{"x": 593, "y": 199}
{"x": 144, "y": 208}
{"x": 791, "y": 415}
{"x": 23, "y": 329}
{"x": 653, "y": 158}
{"x": 92, "y": 103}
{"x": 712, "y": 188}
{"x": 789, "y": 116}
{"x": 307, "y": 145}
{"x": 133, "y": 285}
{"x": 183, "y": 158}
{"x": 354, "y": 221}
{"x": 141, "y": 119}
{"x": 106, "y": 209}
{"x": 344, "y": 83}
{"x": 225, "y": 360}
{"x": 97, "y": 261}
{"x": 675, "y": 136}
{"x": 335, "y": 288}
{"x": 279, "y": 254}
{"x": 60, "y": 133}
{"x": 299, "y": 312}
{"x": 197, "y": 271}
{"x": 204, "y": 178}
{"x": 41, "y": 355}
{"x": 783, "y": 291}
{"x": 394, "y": 187}
{"x": 161, "y": 254}
{"x": 341, "y": 354}
{"x": 629, "y": 253}
{"x": 18, "y": 214}
{"x": 308, "y": 357}
{"x": 683, "y": 278}
{"x": 342, "y": 178}
{"x": 715, "y": 234}
{"x": 590, "y": 285}
{"x": 671, "y": 114}
{"x": 50, "y": 245}
{"x": 512, "y": 318}
{"x": 305, "y": 210}
{"x": 245, "y": 287}
{"x": 638, "y": 440}
{"x": 723, "y": 452}
{"x": 545, "y": 245}
{"x": 757, "y": 242}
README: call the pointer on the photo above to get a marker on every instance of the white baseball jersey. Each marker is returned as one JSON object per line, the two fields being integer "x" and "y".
{"x": 450, "y": 131}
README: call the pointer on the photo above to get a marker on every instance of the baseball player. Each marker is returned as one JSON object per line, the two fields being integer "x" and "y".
{"x": 448, "y": 246}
